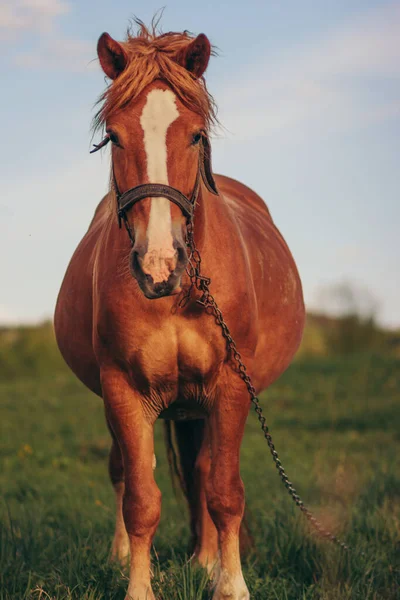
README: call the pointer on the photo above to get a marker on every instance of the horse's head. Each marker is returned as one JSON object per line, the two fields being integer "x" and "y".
{"x": 156, "y": 112}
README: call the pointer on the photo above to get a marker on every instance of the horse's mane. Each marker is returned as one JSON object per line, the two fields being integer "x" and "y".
{"x": 152, "y": 56}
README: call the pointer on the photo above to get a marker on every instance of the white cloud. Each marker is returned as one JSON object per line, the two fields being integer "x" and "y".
{"x": 343, "y": 298}
{"x": 48, "y": 49}
{"x": 318, "y": 86}
{"x": 29, "y": 15}
{"x": 368, "y": 46}
{"x": 58, "y": 53}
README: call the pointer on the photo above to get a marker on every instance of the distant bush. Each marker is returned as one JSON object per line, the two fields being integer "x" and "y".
{"x": 329, "y": 336}
{"x": 314, "y": 341}
{"x": 347, "y": 323}
{"x": 353, "y": 333}
{"x": 29, "y": 351}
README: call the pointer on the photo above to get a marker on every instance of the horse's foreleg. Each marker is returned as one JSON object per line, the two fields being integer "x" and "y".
{"x": 142, "y": 499}
{"x": 225, "y": 490}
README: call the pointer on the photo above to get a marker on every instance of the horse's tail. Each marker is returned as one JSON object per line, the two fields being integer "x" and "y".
{"x": 183, "y": 440}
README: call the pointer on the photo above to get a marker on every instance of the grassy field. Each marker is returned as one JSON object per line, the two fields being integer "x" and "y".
{"x": 335, "y": 422}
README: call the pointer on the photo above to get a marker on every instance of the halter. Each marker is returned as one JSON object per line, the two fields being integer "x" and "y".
{"x": 129, "y": 198}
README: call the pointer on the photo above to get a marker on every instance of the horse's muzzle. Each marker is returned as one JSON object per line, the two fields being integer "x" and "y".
{"x": 169, "y": 283}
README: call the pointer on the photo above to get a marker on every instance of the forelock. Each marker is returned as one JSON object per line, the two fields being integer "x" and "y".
{"x": 153, "y": 57}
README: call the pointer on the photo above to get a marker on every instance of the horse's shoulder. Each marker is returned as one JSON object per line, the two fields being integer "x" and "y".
{"x": 240, "y": 194}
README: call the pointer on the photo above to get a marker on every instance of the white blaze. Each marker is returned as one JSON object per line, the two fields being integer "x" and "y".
{"x": 158, "y": 114}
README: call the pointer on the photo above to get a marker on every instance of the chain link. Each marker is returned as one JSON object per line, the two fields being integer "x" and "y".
{"x": 207, "y": 300}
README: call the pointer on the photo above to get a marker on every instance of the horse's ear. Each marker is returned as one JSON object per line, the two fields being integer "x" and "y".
{"x": 112, "y": 56}
{"x": 196, "y": 55}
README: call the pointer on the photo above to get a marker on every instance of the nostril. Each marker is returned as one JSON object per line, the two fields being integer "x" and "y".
{"x": 135, "y": 259}
{"x": 136, "y": 262}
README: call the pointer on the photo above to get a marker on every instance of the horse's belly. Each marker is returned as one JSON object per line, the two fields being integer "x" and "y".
{"x": 184, "y": 409}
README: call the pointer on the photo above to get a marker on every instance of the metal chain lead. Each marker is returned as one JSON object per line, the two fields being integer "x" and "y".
{"x": 207, "y": 300}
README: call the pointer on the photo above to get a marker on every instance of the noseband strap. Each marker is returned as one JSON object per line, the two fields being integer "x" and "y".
{"x": 153, "y": 190}
{"x": 129, "y": 198}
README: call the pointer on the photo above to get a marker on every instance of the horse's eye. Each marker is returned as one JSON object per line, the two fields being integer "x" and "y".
{"x": 196, "y": 138}
{"x": 113, "y": 137}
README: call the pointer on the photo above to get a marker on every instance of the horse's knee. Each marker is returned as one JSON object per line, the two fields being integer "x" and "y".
{"x": 141, "y": 509}
{"x": 225, "y": 502}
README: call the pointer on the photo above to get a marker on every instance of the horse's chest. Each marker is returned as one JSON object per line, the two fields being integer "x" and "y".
{"x": 200, "y": 353}
{"x": 177, "y": 360}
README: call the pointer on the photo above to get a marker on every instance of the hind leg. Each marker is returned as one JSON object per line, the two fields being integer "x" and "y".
{"x": 194, "y": 450}
{"x": 120, "y": 545}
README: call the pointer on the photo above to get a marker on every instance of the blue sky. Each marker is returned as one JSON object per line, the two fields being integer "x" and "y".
{"x": 309, "y": 96}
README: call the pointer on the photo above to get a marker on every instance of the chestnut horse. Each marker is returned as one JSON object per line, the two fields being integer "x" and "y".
{"x": 119, "y": 321}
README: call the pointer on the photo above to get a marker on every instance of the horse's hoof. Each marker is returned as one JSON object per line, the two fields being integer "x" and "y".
{"x": 231, "y": 587}
{"x": 140, "y": 593}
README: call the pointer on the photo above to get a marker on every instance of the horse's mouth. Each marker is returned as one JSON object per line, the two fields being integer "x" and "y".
{"x": 154, "y": 291}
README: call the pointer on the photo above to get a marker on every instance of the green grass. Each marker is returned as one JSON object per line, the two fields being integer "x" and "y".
{"x": 335, "y": 423}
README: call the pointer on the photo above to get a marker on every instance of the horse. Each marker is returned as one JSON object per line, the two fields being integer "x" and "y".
{"x": 120, "y": 321}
